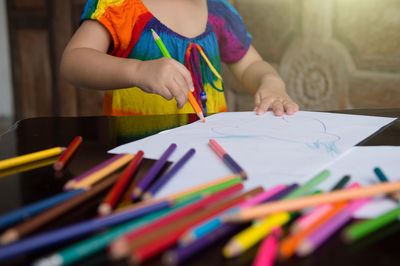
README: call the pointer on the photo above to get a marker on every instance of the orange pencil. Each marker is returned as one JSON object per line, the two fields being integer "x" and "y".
{"x": 115, "y": 193}
{"x": 196, "y": 107}
{"x": 165, "y": 53}
{"x": 289, "y": 245}
{"x": 66, "y": 155}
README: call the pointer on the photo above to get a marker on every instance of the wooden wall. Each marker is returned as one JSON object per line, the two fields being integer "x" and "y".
{"x": 39, "y": 31}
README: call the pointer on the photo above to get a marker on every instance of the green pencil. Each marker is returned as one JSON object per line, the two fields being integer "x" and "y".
{"x": 307, "y": 187}
{"x": 160, "y": 44}
{"x": 362, "y": 229}
{"x": 211, "y": 189}
{"x": 100, "y": 241}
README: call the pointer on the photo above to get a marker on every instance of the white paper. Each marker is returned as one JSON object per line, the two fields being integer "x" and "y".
{"x": 359, "y": 163}
{"x": 272, "y": 150}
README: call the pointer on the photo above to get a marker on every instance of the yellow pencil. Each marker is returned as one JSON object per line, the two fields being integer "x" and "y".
{"x": 253, "y": 234}
{"x": 88, "y": 181}
{"x": 31, "y": 157}
{"x": 262, "y": 210}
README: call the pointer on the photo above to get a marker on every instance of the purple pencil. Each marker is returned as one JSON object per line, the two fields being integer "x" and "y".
{"x": 319, "y": 236}
{"x": 167, "y": 176}
{"x": 98, "y": 167}
{"x": 152, "y": 173}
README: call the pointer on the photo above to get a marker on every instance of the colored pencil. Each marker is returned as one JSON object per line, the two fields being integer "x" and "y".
{"x": 265, "y": 209}
{"x": 210, "y": 225}
{"x": 28, "y": 166}
{"x": 309, "y": 218}
{"x": 289, "y": 244}
{"x": 121, "y": 247}
{"x": 154, "y": 188}
{"x": 248, "y": 237}
{"x": 63, "y": 234}
{"x": 116, "y": 191}
{"x": 258, "y": 230}
{"x": 153, "y": 172}
{"x": 98, "y": 242}
{"x": 28, "y": 211}
{"x": 153, "y": 243}
{"x": 31, "y": 157}
{"x": 179, "y": 254}
{"x": 230, "y": 162}
{"x": 88, "y": 181}
{"x": 165, "y": 53}
{"x": 36, "y": 222}
{"x": 309, "y": 185}
{"x": 382, "y": 177}
{"x": 362, "y": 229}
{"x": 66, "y": 155}
{"x": 268, "y": 250}
{"x": 319, "y": 236}
{"x": 203, "y": 187}
{"x": 72, "y": 182}
{"x": 341, "y": 183}
{"x": 182, "y": 253}
{"x": 211, "y": 189}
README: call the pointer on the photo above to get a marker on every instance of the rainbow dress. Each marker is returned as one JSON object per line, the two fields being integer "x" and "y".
{"x": 129, "y": 22}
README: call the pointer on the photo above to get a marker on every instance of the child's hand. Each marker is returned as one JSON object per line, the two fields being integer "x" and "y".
{"x": 272, "y": 95}
{"x": 165, "y": 77}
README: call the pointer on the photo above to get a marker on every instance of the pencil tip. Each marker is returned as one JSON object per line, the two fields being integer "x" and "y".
{"x": 104, "y": 209}
{"x": 8, "y": 237}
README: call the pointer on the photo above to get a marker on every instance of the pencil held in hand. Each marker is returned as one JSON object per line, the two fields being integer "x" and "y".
{"x": 165, "y": 53}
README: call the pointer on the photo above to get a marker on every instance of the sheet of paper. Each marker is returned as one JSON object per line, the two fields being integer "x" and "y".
{"x": 272, "y": 150}
{"x": 359, "y": 163}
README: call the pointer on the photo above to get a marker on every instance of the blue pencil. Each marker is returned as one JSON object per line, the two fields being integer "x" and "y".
{"x": 167, "y": 176}
{"x": 61, "y": 235}
{"x": 152, "y": 173}
{"x": 13, "y": 217}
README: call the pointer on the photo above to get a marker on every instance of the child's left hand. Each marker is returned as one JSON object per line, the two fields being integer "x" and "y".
{"x": 272, "y": 96}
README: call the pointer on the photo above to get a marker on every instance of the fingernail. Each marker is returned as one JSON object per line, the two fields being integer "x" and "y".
{"x": 192, "y": 89}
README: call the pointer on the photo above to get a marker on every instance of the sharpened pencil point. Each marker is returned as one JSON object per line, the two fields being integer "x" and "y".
{"x": 8, "y": 237}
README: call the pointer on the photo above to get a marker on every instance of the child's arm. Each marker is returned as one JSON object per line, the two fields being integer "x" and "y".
{"x": 259, "y": 78}
{"x": 86, "y": 64}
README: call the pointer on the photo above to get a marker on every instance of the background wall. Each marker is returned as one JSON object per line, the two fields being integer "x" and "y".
{"x": 332, "y": 54}
{"x": 6, "y": 99}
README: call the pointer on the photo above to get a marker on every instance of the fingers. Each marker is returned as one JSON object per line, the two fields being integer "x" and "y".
{"x": 277, "y": 105}
{"x": 187, "y": 77}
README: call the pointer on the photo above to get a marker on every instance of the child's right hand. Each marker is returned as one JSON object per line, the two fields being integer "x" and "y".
{"x": 165, "y": 77}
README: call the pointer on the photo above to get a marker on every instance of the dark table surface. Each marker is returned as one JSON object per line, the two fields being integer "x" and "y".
{"x": 103, "y": 133}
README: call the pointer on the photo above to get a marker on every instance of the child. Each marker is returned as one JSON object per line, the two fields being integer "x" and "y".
{"x": 114, "y": 50}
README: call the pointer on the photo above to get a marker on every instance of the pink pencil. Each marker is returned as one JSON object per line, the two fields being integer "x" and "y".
{"x": 267, "y": 253}
{"x": 319, "y": 236}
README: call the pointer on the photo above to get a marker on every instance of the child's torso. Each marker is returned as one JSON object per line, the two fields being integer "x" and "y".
{"x": 177, "y": 36}
{"x": 189, "y": 18}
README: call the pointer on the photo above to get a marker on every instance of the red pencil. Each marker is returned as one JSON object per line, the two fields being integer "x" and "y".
{"x": 116, "y": 191}
{"x": 163, "y": 238}
{"x": 120, "y": 247}
{"x": 61, "y": 162}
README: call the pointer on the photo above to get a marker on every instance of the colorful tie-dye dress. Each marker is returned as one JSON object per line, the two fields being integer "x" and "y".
{"x": 129, "y": 23}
